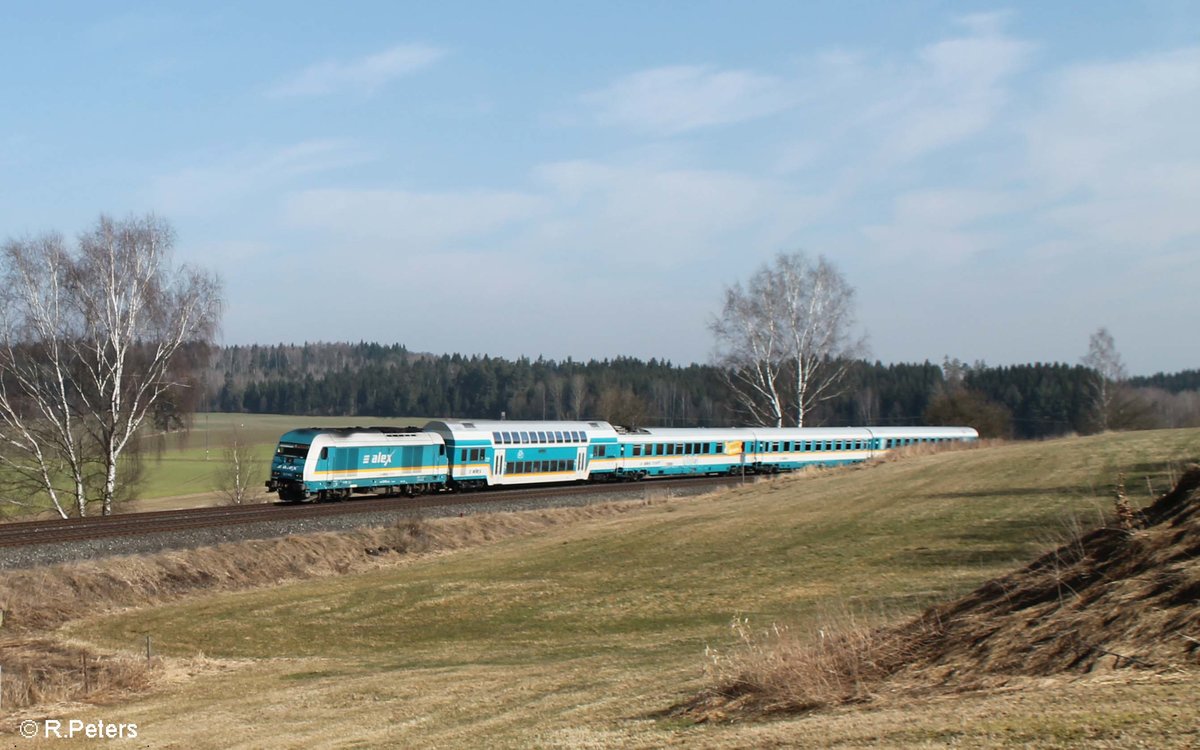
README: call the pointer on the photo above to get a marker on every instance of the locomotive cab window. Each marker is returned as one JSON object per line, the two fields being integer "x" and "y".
{"x": 295, "y": 451}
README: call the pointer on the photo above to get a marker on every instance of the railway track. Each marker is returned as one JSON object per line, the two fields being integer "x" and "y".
{"x": 57, "y": 531}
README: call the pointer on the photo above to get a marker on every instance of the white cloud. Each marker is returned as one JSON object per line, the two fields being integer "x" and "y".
{"x": 362, "y": 75}
{"x": 677, "y": 99}
{"x": 941, "y": 227}
{"x": 668, "y": 217}
{"x": 956, "y": 90}
{"x": 415, "y": 220}
{"x": 1115, "y": 151}
{"x": 226, "y": 181}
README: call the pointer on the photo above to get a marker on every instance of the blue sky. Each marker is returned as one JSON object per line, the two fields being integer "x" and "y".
{"x": 582, "y": 179}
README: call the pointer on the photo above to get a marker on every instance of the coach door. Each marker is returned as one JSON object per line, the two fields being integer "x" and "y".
{"x": 497, "y": 462}
{"x": 582, "y": 462}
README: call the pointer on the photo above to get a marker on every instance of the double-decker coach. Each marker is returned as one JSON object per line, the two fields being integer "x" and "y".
{"x": 483, "y": 453}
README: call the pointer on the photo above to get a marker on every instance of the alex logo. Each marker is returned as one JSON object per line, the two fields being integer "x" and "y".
{"x": 377, "y": 459}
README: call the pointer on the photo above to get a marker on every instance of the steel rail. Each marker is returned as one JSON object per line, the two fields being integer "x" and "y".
{"x": 26, "y": 533}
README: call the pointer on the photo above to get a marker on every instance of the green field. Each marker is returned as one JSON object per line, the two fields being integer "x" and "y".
{"x": 574, "y": 637}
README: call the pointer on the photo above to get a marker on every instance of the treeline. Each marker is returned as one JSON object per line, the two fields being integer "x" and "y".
{"x": 1177, "y": 382}
{"x": 374, "y": 380}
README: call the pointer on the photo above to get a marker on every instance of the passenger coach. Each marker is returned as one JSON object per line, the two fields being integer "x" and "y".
{"x": 483, "y": 453}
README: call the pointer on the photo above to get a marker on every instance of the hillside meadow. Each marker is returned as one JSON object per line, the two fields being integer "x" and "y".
{"x": 583, "y": 634}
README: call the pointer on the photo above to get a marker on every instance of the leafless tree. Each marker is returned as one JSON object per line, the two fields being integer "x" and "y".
{"x": 577, "y": 397}
{"x": 621, "y": 406}
{"x": 88, "y": 345}
{"x": 785, "y": 339}
{"x": 239, "y": 474}
{"x": 1109, "y": 376}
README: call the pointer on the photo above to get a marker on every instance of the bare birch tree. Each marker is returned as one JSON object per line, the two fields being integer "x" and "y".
{"x": 784, "y": 340}
{"x": 239, "y": 476}
{"x": 44, "y": 438}
{"x": 87, "y": 346}
{"x": 1109, "y": 375}
{"x": 751, "y": 348}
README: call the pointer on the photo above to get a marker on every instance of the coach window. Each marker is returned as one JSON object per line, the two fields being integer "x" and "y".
{"x": 637, "y": 450}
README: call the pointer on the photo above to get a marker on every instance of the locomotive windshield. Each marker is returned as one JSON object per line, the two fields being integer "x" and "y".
{"x": 295, "y": 450}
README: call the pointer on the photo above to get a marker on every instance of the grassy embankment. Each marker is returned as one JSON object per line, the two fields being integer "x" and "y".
{"x": 574, "y": 636}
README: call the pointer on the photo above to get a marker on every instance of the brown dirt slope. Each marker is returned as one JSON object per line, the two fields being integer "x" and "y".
{"x": 1123, "y": 596}
{"x": 1115, "y": 597}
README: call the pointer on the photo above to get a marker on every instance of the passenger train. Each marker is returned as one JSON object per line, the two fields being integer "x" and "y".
{"x": 331, "y": 464}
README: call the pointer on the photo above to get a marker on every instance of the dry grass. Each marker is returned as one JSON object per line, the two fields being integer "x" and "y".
{"x": 43, "y": 670}
{"x": 1121, "y": 596}
{"x": 39, "y": 599}
{"x": 777, "y": 671}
